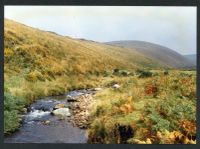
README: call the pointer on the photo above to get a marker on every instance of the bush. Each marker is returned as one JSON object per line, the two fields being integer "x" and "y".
{"x": 119, "y": 72}
{"x": 116, "y": 70}
{"x": 124, "y": 73}
{"x": 107, "y": 74}
{"x": 12, "y": 106}
{"x": 144, "y": 74}
{"x": 11, "y": 121}
{"x": 166, "y": 72}
{"x": 12, "y": 103}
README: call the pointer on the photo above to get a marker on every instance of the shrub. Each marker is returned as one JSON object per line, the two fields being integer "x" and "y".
{"x": 116, "y": 70}
{"x": 11, "y": 121}
{"x": 166, "y": 72}
{"x": 12, "y": 106}
{"x": 119, "y": 72}
{"x": 107, "y": 74}
{"x": 124, "y": 73}
{"x": 12, "y": 103}
{"x": 144, "y": 74}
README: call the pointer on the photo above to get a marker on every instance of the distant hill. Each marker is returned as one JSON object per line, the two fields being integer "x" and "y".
{"x": 161, "y": 54}
{"x": 192, "y": 58}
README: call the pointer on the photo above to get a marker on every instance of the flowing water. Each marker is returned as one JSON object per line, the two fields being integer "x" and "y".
{"x": 33, "y": 129}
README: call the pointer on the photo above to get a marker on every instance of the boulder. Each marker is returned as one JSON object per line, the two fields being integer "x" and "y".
{"x": 116, "y": 86}
{"x": 62, "y": 112}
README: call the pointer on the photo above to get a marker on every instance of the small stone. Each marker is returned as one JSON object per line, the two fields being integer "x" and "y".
{"x": 47, "y": 122}
{"x": 116, "y": 86}
{"x": 98, "y": 89}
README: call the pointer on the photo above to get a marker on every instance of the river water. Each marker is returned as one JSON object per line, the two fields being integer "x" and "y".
{"x": 33, "y": 129}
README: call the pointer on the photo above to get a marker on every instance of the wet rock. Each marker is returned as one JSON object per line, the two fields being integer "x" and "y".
{"x": 62, "y": 112}
{"x": 71, "y": 98}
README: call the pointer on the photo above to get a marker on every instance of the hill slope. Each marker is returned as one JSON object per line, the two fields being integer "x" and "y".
{"x": 161, "y": 54}
{"x": 31, "y": 48}
{"x": 192, "y": 58}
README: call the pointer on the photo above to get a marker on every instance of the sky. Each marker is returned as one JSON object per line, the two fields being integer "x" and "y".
{"x": 173, "y": 27}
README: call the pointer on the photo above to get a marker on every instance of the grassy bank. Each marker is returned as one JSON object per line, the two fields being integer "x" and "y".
{"x": 159, "y": 108}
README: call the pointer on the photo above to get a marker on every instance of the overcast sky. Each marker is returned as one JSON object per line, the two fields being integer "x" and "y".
{"x": 173, "y": 27}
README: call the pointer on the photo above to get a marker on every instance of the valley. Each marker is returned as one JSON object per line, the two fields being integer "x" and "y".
{"x": 141, "y": 96}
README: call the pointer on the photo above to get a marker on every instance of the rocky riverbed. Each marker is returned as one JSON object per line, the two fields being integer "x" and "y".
{"x": 58, "y": 119}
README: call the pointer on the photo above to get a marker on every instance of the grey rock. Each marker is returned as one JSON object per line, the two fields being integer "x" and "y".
{"x": 62, "y": 112}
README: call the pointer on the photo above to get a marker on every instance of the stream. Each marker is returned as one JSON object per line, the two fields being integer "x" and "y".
{"x": 34, "y": 130}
